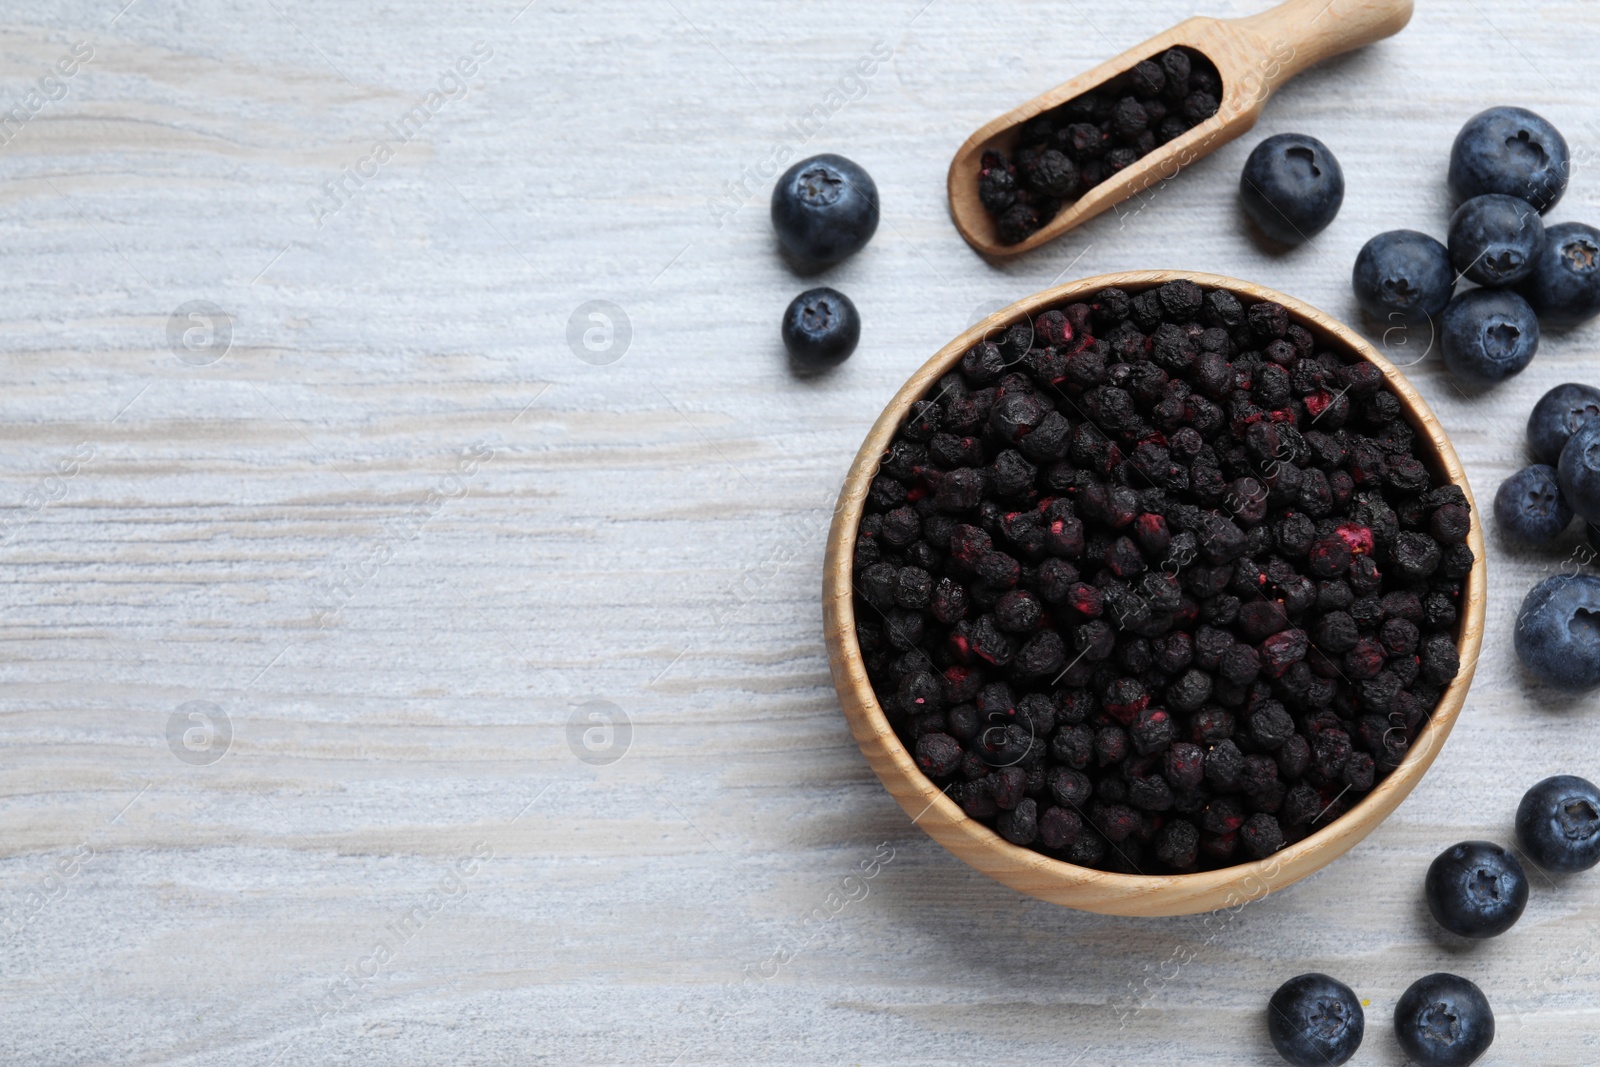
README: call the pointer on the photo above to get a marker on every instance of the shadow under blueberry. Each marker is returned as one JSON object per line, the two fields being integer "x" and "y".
{"x": 1454, "y": 944}
{"x": 1258, "y": 237}
{"x": 807, "y": 373}
{"x": 800, "y": 268}
{"x": 1548, "y": 698}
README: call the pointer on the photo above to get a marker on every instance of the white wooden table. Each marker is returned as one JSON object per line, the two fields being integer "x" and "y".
{"x": 306, "y": 600}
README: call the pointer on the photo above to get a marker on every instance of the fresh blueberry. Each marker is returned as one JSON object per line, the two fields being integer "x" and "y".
{"x": 1557, "y": 416}
{"x": 1564, "y": 285}
{"x": 1558, "y": 631}
{"x": 1476, "y": 889}
{"x": 1315, "y": 1021}
{"x": 1488, "y": 335}
{"x": 824, "y": 209}
{"x": 1529, "y": 506}
{"x": 821, "y": 328}
{"x": 1443, "y": 1020}
{"x": 1558, "y": 824}
{"x": 1495, "y": 239}
{"x": 1292, "y": 187}
{"x": 1578, "y": 471}
{"x": 1510, "y": 150}
{"x": 1403, "y": 277}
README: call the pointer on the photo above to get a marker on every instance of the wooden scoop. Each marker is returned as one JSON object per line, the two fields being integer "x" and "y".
{"x": 1253, "y": 56}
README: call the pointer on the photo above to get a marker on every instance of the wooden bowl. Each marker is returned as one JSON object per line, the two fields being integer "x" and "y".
{"x": 1033, "y": 872}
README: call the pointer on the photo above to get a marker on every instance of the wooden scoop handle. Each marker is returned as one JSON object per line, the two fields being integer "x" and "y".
{"x": 1300, "y": 33}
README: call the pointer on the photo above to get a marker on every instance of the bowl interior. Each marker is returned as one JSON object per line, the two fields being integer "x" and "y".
{"x": 1052, "y": 879}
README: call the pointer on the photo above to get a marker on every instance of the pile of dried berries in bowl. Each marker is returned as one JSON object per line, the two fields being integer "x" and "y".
{"x": 1159, "y": 582}
{"x": 1070, "y": 149}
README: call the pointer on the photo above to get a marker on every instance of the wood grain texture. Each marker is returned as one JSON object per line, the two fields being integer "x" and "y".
{"x": 737, "y": 888}
{"x": 1029, "y": 871}
{"x": 1254, "y": 57}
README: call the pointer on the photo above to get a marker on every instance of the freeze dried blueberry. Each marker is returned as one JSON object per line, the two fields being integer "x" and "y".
{"x": 1279, "y": 651}
{"x": 1270, "y": 725}
{"x": 1177, "y": 844}
{"x": 1219, "y": 848}
{"x": 1240, "y": 665}
{"x": 1120, "y": 159}
{"x": 948, "y": 601}
{"x": 1073, "y": 748}
{"x": 1149, "y": 78}
{"x": 1152, "y": 730}
{"x": 1110, "y": 745}
{"x": 1083, "y": 141}
{"x": 1359, "y": 772}
{"x": 1128, "y": 117}
{"x": 1260, "y": 619}
{"x": 1051, "y": 173}
{"x": 1181, "y": 300}
{"x": 1199, "y": 106}
{"x": 963, "y": 722}
{"x": 1301, "y": 805}
{"x": 1059, "y": 827}
{"x": 1416, "y": 555}
{"x": 1117, "y": 822}
{"x": 1440, "y": 659}
{"x": 1269, "y": 321}
{"x": 1223, "y": 815}
{"x": 1042, "y": 654}
{"x": 1335, "y": 633}
{"x": 1212, "y": 724}
{"x": 997, "y": 189}
{"x": 1455, "y": 562}
{"x": 976, "y": 798}
{"x": 1224, "y": 765}
{"x": 1261, "y": 836}
{"x": 1293, "y": 757}
{"x": 1150, "y": 793}
{"x": 1183, "y": 764}
{"x": 1017, "y": 223}
{"x": 938, "y": 755}
{"x": 1021, "y": 824}
{"x": 1010, "y": 785}
{"x": 1070, "y": 787}
{"x": 1190, "y": 691}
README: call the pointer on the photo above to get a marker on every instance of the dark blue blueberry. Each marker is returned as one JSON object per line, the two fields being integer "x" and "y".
{"x": 1495, "y": 239}
{"x": 1443, "y": 1020}
{"x": 1578, "y": 471}
{"x": 821, "y": 328}
{"x": 1488, "y": 335}
{"x": 1557, "y": 416}
{"x": 1564, "y": 285}
{"x": 1510, "y": 150}
{"x": 824, "y": 209}
{"x": 1529, "y": 506}
{"x": 1315, "y": 1021}
{"x": 1558, "y": 824}
{"x": 1403, "y": 278}
{"x": 1558, "y": 631}
{"x": 1292, "y": 187}
{"x": 1476, "y": 889}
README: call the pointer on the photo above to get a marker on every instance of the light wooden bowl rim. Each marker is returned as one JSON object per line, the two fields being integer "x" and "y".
{"x": 1033, "y": 872}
